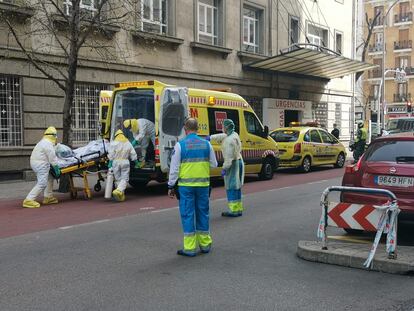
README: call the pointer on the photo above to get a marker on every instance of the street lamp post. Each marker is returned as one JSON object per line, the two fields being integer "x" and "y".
{"x": 381, "y": 104}
{"x": 399, "y": 78}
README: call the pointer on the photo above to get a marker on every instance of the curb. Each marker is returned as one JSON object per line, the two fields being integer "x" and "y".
{"x": 354, "y": 255}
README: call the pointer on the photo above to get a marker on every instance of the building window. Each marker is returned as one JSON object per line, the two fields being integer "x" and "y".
{"x": 10, "y": 111}
{"x": 403, "y": 62}
{"x": 251, "y": 30}
{"x": 85, "y": 112}
{"x": 253, "y": 125}
{"x": 86, "y": 5}
{"x": 317, "y": 35}
{"x": 210, "y": 21}
{"x": 293, "y": 30}
{"x": 338, "y": 42}
{"x": 154, "y": 16}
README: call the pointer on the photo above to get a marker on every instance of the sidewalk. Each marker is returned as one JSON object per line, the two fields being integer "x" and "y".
{"x": 353, "y": 255}
{"x": 18, "y": 189}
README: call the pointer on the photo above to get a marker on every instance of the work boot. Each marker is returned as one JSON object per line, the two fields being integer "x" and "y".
{"x": 50, "y": 200}
{"x": 118, "y": 195}
{"x": 185, "y": 253}
{"x": 30, "y": 204}
{"x": 231, "y": 214}
{"x": 205, "y": 249}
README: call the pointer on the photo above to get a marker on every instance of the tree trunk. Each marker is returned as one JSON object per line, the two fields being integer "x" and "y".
{"x": 70, "y": 87}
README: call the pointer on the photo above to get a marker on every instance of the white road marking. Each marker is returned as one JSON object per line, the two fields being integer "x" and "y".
{"x": 84, "y": 224}
{"x": 164, "y": 209}
{"x": 146, "y": 208}
{"x": 276, "y": 189}
{"x": 317, "y": 182}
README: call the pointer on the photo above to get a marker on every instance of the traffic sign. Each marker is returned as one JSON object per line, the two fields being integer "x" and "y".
{"x": 353, "y": 216}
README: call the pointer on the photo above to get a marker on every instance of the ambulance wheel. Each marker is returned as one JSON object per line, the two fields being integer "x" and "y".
{"x": 138, "y": 184}
{"x": 340, "y": 161}
{"x": 267, "y": 170}
{"x": 306, "y": 165}
{"x": 97, "y": 187}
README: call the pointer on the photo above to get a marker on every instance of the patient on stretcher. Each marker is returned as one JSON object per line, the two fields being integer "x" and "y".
{"x": 93, "y": 150}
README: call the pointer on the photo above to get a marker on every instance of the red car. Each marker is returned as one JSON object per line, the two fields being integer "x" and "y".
{"x": 388, "y": 163}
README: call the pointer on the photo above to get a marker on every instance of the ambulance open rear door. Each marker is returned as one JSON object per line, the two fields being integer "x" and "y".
{"x": 173, "y": 112}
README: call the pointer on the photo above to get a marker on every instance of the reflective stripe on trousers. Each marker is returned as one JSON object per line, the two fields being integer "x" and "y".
{"x": 194, "y": 211}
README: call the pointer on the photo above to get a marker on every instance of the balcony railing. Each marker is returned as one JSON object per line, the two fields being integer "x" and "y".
{"x": 374, "y": 73}
{"x": 402, "y": 18}
{"x": 402, "y": 45}
{"x": 379, "y": 21}
{"x": 376, "y": 47}
{"x": 400, "y": 98}
{"x": 409, "y": 71}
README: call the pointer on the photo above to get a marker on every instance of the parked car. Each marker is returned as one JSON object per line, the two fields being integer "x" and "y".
{"x": 400, "y": 125}
{"x": 388, "y": 164}
{"x": 307, "y": 146}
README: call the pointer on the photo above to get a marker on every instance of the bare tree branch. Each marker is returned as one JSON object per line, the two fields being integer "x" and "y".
{"x": 31, "y": 59}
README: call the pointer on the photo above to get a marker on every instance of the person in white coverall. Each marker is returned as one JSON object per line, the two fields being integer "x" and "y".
{"x": 120, "y": 151}
{"x": 233, "y": 167}
{"x": 143, "y": 131}
{"x": 42, "y": 158}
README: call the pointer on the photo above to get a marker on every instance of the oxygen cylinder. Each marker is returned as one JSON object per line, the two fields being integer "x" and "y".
{"x": 109, "y": 184}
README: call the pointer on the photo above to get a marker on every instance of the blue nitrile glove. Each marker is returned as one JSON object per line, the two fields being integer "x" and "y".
{"x": 57, "y": 170}
{"x": 223, "y": 172}
{"x": 134, "y": 143}
{"x": 208, "y": 138}
{"x": 110, "y": 164}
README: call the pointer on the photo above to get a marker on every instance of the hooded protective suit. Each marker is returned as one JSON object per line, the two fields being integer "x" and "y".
{"x": 43, "y": 156}
{"x": 233, "y": 167}
{"x": 119, "y": 153}
{"x": 143, "y": 131}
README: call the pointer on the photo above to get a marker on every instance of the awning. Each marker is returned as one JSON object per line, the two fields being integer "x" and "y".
{"x": 315, "y": 62}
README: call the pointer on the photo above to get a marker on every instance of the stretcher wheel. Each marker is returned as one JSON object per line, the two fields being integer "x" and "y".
{"x": 97, "y": 187}
{"x": 73, "y": 194}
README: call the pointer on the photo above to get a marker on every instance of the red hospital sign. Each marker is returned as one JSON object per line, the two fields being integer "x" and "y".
{"x": 220, "y": 116}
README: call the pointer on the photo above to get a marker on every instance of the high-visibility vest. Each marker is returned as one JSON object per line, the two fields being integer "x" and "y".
{"x": 363, "y": 135}
{"x": 195, "y": 162}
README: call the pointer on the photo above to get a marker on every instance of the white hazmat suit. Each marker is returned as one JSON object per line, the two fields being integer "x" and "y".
{"x": 120, "y": 152}
{"x": 43, "y": 156}
{"x": 143, "y": 131}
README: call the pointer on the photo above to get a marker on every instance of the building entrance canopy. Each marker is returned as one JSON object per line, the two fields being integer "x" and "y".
{"x": 311, "y": 60}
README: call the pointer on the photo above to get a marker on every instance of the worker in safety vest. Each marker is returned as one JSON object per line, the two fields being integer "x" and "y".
{"x": 190, "y": 165}
{"x": 42, "y": 160}
{"x": 360, "y": 142}
{"x": 233, "y": 167}
{"x": 144, "y": 132}
{"x": 120, "y": 151}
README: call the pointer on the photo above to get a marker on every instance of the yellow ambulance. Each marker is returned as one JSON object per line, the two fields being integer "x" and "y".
{"x": 167, "y": 107}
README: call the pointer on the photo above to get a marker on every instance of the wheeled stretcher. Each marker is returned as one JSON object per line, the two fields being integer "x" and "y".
{"x": 81, "y": 165}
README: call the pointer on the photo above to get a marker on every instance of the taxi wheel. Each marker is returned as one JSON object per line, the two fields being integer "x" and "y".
{"x": 306, "y": 165}
{"x": 267, "y": 170}
{"x": 340, "y": 161}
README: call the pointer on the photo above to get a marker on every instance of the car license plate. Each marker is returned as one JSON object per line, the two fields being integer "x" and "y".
{"x": 394, "y": 181}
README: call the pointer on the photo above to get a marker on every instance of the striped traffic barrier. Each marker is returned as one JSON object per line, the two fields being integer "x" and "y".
{"x": 380, "y": 219}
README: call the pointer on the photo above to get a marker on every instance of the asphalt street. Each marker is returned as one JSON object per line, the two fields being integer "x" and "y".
{"x": 130, "y": 263}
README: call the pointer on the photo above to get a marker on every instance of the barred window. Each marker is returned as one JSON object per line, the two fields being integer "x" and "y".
{"x": 85, "y": 112}
{"x": 10, "y": 111}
